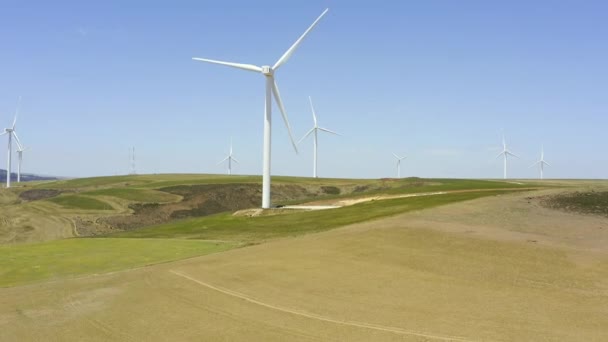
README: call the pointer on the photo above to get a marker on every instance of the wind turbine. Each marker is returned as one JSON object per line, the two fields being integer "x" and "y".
{"x": 230, "y": 159}
{"x": 314, "y": 130}
{"x": 399, "y": 159}
{"x": 11, "y": 133}
{"x": 20, "y": 150}
{"x": 132, "y": 160}
{"x": 541, "y": 162}
{"x": 505, "y": 153}
{"x": 271, "y": 91}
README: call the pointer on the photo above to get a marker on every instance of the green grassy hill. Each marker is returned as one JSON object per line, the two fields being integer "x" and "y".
{"x": 136, "y": 215}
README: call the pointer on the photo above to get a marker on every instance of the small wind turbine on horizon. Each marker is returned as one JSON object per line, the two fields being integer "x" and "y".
{"x": 272, "y": 90}
{"x": 230, "y": 159}
{"x": 132, "y": 160}
{"x": 505, "y": 153}
{"x": 10, "y": 132}
{"x": 314, "y": 130}
{"x": 541, "y": 162}
{"x": 399, "y": 159}
{"x": 20, "y": 150}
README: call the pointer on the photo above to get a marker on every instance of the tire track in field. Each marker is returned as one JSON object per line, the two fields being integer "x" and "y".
{"x": 178, "y": 295}
{"x": 107, "y": 329}
{"x": 323, "y": 318}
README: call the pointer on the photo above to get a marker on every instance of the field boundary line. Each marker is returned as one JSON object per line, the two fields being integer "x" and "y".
{"x": 319, "y": 317}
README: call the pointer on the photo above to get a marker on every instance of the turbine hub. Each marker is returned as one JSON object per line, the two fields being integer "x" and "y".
{"x": 267, "y": 71}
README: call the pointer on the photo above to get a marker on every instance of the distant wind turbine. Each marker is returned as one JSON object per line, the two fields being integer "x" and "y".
{"x": 11, "y": 133}
{"x": 132, "y": 160}
{"x": 505, "y": 153}
{"x": 399, "y": 159}
{"x": 230, "y": 159}
{"x": 20, "y": 150}
{"x": 272, "y": 90}
{"x": 541, "y": 162}
{"x": 314, "y": 130}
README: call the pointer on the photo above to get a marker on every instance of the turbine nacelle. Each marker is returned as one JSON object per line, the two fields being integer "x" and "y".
{"x": 267, "y": 71}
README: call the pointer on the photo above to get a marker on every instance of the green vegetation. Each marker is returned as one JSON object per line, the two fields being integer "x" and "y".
{"x": 593, "y": 202}
{"x": 241, "y": 228}
{"x": 137, "y": 195}
{"x": 181, "y": 239}
{"x": 80, "y": 202}
{"x": 73, "y": 257}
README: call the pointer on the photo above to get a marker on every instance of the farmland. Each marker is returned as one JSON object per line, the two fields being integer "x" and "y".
{"x": 458, "y": 260}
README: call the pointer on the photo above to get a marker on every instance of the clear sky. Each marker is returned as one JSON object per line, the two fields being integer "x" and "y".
{"x": 434, "y": 80}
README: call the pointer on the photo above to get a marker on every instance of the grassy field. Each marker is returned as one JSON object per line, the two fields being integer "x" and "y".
{"x": 134, "y": 194}
{"x": 493, "y": 268}
{"x": 24, "y": 264}
{"x": 587, "y": 202}
{"x": 483, "y": 261}
{"x": 289, "y": 223}
{"x": 80, "y": 202}
{"x": 36, "y": 262}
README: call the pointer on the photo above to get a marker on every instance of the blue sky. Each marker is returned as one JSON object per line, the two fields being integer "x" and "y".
{"x": 434, "y": 80}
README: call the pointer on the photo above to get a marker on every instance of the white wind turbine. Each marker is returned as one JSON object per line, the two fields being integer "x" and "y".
{"x": 20, "y": 150}
{"x": 505, "y": 153}
{"x": 10, "y": 132}
{"x": 399, "y": 159}
{"x": 314, "y": 130}
{"x": 230, "y": 159}
{"x": 541, "y": 162}
{"x": 271, "y": 90}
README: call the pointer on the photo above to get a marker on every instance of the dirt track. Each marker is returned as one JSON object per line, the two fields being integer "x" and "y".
{"x": 469, "y": 271}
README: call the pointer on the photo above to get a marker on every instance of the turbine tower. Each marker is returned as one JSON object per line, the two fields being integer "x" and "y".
{"x": 541, "y": 162}
{"x": 272, "y": 90}
{"x": 230, "y": 159}
{"x": 505, "y": 153}
{"x": 10, "y": 132}
{"x": 20, "y": 150}
{"x": 314, "y": 130}
{"x": 399, "y": 159}
{"x": 132, "y": 160}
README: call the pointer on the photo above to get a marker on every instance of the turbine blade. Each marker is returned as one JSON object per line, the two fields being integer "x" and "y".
{"x": 17, "y": 139}
{"x": 314, "y": 115}
{"x": 277, "y": 98}
{"x": 307, "y": 134}
{"x": 223, "y": 160}
{"x": 17, "y": 112}
{"x": 295, "y": 45}
{"x": 234, "y": 159}
{"x": 546, "y": 163}
{"x": 542, "y": 152}
{"x": 540, "y": 161}
{"x": 3, "y": 133}
{"x": 513, "y": 154}
{"x": 249, "y": 67}
{"x": 329, "y": 131}
{"x": 500, "y": 154}
{"x": 396, "y": 156}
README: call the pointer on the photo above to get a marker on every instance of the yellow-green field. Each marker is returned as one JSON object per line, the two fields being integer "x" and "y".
{"x": 479, "y": 261}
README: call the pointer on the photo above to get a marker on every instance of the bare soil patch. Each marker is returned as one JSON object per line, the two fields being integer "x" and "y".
{"x": 38, "y": 194}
